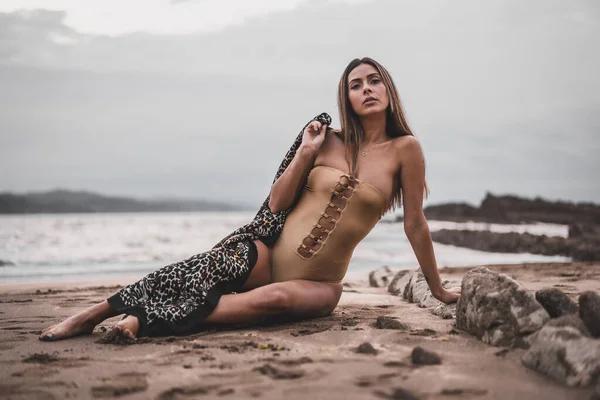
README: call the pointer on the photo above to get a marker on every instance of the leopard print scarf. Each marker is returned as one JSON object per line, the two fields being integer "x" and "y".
{"x": 175, "y": 298}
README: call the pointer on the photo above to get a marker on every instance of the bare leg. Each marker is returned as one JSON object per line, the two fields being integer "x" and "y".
{"x": 259, "y": 276}
{"x": 80, "y": 323}
{"x": 296, "y": 298}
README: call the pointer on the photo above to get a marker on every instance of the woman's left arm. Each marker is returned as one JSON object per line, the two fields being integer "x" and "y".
{"x": 412, "y": 171}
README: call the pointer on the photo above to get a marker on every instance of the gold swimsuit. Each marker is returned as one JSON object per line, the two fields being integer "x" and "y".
{"x": 334, "y": 213}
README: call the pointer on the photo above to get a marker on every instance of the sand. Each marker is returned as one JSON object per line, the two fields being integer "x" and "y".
{"x": 309, "y": 359}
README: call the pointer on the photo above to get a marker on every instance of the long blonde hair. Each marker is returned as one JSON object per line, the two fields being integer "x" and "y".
{"x": 352, "y": 130}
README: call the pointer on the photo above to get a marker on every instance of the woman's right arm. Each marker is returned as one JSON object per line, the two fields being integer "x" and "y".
{"x": 289, "y": 185}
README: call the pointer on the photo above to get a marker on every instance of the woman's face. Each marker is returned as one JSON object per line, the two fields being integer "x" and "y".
{"x": 366, "y": 91}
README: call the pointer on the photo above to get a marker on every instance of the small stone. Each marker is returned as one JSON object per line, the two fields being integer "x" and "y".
{"x": 390, "y": 323}
{"x": 381, "y": 277}
{"x": 501, "y": 353}
{"x": 366, "y": 348}
{"x": 589, "y": 311}
{"x": 397, "y": 394}
{"x": 420, "y": 356}
{"x": 556, "y": 302}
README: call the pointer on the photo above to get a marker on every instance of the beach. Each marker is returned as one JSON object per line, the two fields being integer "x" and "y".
{"x": 319, "y": 358}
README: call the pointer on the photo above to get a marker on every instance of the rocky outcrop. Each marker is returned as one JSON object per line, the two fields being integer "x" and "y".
{"x": 584, "y": 248}
{"x": 565, "y": 354}
{"x": 381, "y": 277}
{"x": 497, "y": 309}
{"x": 516, "y": 210}
{"x": 555, "y": 302}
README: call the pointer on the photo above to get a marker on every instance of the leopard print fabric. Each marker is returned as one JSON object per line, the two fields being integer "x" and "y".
{"x": 175, "y": 298}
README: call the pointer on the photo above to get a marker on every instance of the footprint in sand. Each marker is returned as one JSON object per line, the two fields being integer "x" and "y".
{"x": 366, "y": 381}
{"x": 12, "y": 391}
{"x": 279, "y": 373}
{"x": 54, "y": 360}
{"x": 398, "y": 394}
{"x": 36, "y": 372}
{"x": 121, "y": 385}
{"x": 187, "y": 392}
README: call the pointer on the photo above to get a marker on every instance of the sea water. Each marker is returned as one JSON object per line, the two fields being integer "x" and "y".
{"x": 52, "y": 247}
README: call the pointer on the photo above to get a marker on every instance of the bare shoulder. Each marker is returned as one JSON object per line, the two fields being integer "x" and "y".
{"x": 334, "y": 136}
{"x": 408, "y": 149}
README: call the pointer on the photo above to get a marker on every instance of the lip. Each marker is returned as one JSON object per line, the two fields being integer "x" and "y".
{"x": 369, "y": 99}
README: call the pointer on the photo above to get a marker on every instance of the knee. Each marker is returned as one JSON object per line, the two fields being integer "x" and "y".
{"x": 276, "y": 300}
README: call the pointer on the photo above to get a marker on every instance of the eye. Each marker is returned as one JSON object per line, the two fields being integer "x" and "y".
{"x": 355, "y": 86}
{"x": 375, "y": 80}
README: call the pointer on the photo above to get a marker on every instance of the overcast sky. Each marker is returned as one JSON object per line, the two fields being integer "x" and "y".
{"x": 202, "y": 98}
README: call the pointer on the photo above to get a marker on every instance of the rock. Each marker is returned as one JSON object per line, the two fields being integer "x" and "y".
{"x": 497, "y": 309}
{"x": 589, "y": 311}
{"x": 571, "y": 320}
{"x": 420, "y": 356}
{"x": 397, "y": 394}
{"x": 584, "y": 248}
{"x": 366, "y": 348}
{"x": 596, "y": 394}
{"x": 555, "y": 302}
{"x": 381, "y": 277}
{"x": 564, "y": 354}
{"x": 417, "y": 291}
{"x": 446, "y": 311}
{"x": 582, "y": 230}
{"x": 399, "y": 281}
{"x": 390, "y": 323}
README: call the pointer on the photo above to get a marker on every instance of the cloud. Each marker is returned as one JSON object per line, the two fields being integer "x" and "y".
{"x": 503, "y": 96}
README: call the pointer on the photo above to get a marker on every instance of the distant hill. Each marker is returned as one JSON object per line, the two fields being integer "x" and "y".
{"x": 66, "y": 201}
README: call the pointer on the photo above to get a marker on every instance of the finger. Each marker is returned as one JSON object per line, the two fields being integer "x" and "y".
{"x": 317, "y": 126}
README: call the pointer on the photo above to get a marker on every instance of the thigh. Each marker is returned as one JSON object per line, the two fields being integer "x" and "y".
{"x": 261, "y": 273}
{"x": 307, "y": 299}
{"x": 296, "y": 299}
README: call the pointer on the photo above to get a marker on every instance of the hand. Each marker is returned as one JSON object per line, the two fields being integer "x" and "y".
{"x": 446, "y": 296}
{"x": 313, "y": 136}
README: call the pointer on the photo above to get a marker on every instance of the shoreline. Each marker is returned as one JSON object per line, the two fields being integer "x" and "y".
{"x": 78, "y": 281}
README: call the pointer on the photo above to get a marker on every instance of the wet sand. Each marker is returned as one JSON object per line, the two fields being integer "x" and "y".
{"x": 310, "y": 359}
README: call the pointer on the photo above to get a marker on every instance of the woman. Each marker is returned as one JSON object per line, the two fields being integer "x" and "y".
{"x": 330, "y": 190}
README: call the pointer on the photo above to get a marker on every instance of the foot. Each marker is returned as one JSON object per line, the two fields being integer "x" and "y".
{"x": 122, "y": 333}
{"x": 78, "y": 324}
{"x": 130, "y": 326}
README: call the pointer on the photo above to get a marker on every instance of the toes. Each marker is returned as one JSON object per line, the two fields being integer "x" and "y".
{"x": 47, "y": 337}
{"x": 126, "y": 332}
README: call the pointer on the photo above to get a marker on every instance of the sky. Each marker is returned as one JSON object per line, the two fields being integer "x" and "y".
{"x": 201, "y": 99}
